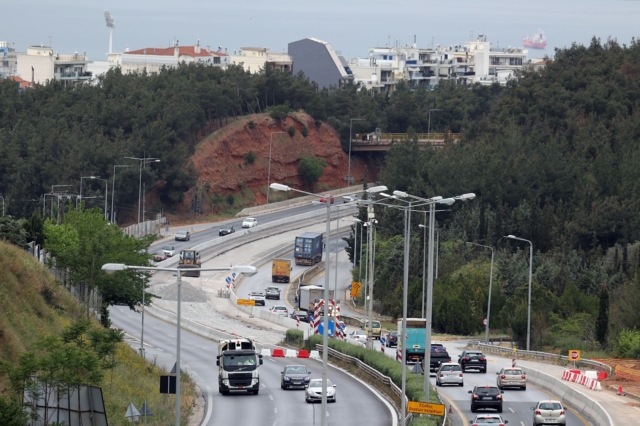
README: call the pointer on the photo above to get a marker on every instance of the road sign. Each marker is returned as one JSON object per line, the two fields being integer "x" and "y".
{"x": 331, "y": 328}
{"x": 425, "y": 408}
{"x": 246, "y": 302}
{"x": 484, "y": 322}
{"x": 355, "y": 288}
{"x": 574, "y": 355}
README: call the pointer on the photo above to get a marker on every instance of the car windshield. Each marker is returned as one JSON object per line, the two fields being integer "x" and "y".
{"x": 513, "y": 372}
{"x": 451, "y": 367}
{"x": 226, "y": 227}
{"x": 295, "y": 370}
{"x": 360, "y": 333}
{"x": 239, "y": 362}
{"x": 550, "y": 406}
{"x": 167, "y": 248}
{"x": 181, "y": 233}
{"x": 273, "y": 289}
{"x": 474, "y": 354}
{"x": 318, "y": 384}
{"x": 487, "y": 420}
{"x": 492, "y": 391}
{"x": 394, "y": 334}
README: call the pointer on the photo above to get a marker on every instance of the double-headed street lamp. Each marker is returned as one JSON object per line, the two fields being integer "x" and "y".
{"x": 106, "y": 190}
{"x": 424, "y": 258}
{"x": 325, "y": 334}
{"x": 429, "y": 125}
{"x": 350, "y": 126}
{"x": 486, "y": 327}
{"x": 269, "y": 173}
{"x": 111, "y": 268}
{"x": 113, "y": 189}
{"x": 513, "y": 237}
{"x": 143, "y": 161}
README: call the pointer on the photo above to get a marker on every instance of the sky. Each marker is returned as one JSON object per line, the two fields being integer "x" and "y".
{"x": 351, "y": 27}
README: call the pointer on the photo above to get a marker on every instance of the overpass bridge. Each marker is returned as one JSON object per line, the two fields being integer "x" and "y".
{"x": 382, "y": 141}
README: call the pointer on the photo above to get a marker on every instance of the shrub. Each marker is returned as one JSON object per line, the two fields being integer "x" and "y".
{"x": 230, "y": 199}
{"x": 251, "y": 124}
{"x": 310, "y": 169}
{"x": 279, "y": 112}
{"x": 627, "y": 344}
{"x": 294, "y": 336}
{"x": 318, "y": 123}
{"x": 249, "y": 158}
{"x": 291, "y": 130}
{"x": 305, "y": 131}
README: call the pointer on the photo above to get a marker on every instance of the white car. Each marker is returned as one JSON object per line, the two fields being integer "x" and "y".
{"x": 169, "y": 250}
{"x": 359, "y": 335}
{"x": 313, "y": 392}
{"x": 549, "y": 411}
{"x": 280, "y": 310}
{"x": 488, "y": 419}
{"x": 449, "y": 373}
{"x": 257, "y": 297}
{"x": 250, "y": 222}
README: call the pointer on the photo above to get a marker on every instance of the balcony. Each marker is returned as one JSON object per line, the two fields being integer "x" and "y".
{"x": 72, "y": 75}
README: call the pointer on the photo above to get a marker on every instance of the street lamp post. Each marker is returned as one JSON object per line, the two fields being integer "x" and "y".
{"x": 113, "y": 189}
{"x": 106, "y": 183}
{"x": 424, "y": 275}
{"x": 52, "y": 193}
{"x": 349, "y": 168}
{"x": 111, "y": 268}
{"x": 429, "y": 125}
{"x": 269, "y": 173}
{"x": 486, "y": 328}
{"x": 325, "y": 334}
{"x": 143, "y": 161}
{"x": 513, "y": 237}
{"x": 372, "y": 254}
{"x": 85, "y": 177}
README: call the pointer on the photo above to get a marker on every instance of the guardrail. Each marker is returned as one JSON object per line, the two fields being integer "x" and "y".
{"x": 540, "y": 356}
{"x": 378, "y": 376}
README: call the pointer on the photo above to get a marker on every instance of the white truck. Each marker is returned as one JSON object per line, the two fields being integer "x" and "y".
{"x": 238, "y": 364}
{"x": 309, "y": 294}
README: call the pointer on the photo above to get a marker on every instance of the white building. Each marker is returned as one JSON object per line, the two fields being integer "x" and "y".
{"x": 40, "y": 65}
{"x": 253, "y": 59}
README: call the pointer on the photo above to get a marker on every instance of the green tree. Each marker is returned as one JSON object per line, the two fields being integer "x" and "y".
{"x": 13, "y": 232}
{"x": 11, "y": 413}
{"x": 602, "y": 321}
{"x": 310, "y": 170}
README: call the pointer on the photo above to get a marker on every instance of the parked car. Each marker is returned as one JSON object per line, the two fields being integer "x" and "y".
{"x": 250, "y": 222}
{"x": 488, "y": 419}
{"x": 376, "y": 329}
{"x": 272, "y": 293}
{"x": 226, "y": 230}
{"x": 329, "y": 197}
{"x": 358, "y": 335}
{"x": 511, "y": 377}
{"x": 302, "y": 315}
{"x": 294, "y": 376}
{"x": 182, "y": 236}
{"x": 258, "y": 297}
{"x": 549, "y": 412}
{"x": 473, "y": 359}
{"x": 313, "y": 392}
{"x": 169, "y": 250}
{"x": 449, "y": 373}
{"x": 280, "y": 310}
{"x": 391, "y": 339}
{"x": 160, "y": 256}
{"x": 486, "y": 397}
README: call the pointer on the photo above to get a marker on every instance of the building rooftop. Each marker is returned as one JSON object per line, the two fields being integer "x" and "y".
{"x": 170, "y": 51}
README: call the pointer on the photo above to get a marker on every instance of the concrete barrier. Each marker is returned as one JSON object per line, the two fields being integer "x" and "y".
{"x": 570, "y": 396}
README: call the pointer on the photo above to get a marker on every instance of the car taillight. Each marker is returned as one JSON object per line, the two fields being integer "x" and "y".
{"x": 441, "y": 375}
{"x": 499, "y": 396}
{"x": 538, "y": 412}
{"x": 475, "y": 424}
{"x": 466, "y": 359}
{"x": 503, "y": 377}
{"x": 561, "y": 411}
{"x": 501, "y": 424}
{"x": 523, "y": 376}
{"x": 460, "y": 374}
{"x": 483, "y": 359}
{"x": 475, "y": 396}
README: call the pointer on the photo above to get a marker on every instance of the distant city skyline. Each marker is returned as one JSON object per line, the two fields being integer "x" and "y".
{"x": 351, "y": 28}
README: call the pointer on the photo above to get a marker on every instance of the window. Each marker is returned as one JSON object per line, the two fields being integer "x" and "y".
{"x": 216, "y": 60}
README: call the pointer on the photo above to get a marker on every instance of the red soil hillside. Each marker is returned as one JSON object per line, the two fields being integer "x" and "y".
{"x": 221, "y": 157}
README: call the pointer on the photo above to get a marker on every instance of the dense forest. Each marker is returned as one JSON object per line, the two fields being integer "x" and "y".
{"x": 553, "y": 157}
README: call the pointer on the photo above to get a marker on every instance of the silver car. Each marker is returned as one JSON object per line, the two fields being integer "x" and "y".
{"x": 511, "y": 377}
{"x": 549, "y": 412}
{"x": 313, "y": 392}
{"x": 488, "y": 419}
{"x": 449, "y": 373}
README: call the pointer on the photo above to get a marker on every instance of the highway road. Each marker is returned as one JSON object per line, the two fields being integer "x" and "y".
{"x": 272, "y": 406}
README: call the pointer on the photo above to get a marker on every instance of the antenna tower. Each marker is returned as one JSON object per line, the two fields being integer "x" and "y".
{"x": 111, "y": 25}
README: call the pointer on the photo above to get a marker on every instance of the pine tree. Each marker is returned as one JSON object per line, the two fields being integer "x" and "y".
{"x": 602, "y": 322}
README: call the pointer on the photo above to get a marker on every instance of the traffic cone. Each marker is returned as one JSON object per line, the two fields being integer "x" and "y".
{"x": 621, "y": 392}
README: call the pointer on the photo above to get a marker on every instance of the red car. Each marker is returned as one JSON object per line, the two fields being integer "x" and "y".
{"x": 329, "y": 197}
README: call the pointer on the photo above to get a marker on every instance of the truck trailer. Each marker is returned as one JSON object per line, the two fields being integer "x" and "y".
{"x": 414, "y": 340}
{"x": 281, "y": 270}
{"x": 238, "y": 363}
{"x": 308, "y": 248}
{"x": 307, "y": 296}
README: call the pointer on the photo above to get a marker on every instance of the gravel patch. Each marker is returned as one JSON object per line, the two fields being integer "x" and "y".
{"x": 188, "y": 294}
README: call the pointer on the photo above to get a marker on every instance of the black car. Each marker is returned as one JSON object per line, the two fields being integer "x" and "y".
{"x": 294, "y": 376}
{"x": 473, "y": 359}
{"x": 391, "y": 339}
{"x": 486, "y": 397}
{"x": 226, "y": 230}
{"x": 438, "y": 356}
{"x": 302, "y": 315}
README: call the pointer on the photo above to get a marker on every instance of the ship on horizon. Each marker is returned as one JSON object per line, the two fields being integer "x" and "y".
{"x": 537, "y": 41}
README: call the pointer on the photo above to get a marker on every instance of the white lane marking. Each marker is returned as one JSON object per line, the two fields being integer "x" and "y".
{"x": 271, "y": 397}
{"x": 327, "y": 413}
{"x": 522, "y": 423}
{"x": 633, "y": 407}
{"x": 264, "y": 386}
{"x": 275, "y": 410}
{"x": 163, "y": 351}
{"x": 274, "y": 361}
{"x": 209, "y": 406}
{"x": 510, "y": 409}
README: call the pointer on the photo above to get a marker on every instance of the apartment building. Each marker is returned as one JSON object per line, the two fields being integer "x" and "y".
{"x": 40, "y": 65}
{"x": 152, "y": 59}
{"x": 7, "y": 60}
{"x": 253, "y": 59}
{"x": 319, "y": 63}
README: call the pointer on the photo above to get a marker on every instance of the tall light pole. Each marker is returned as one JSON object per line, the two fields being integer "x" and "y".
{"x": 143, "y": 161}
{"x": 513, "y": 237}
{"x": 111, "y": 268}
{"x": 429, "y": 125}
{"x": 372, "y": 254}
{"x": 269, "y": 173}
{"x": 325, "y": 334}
{"x": 350, "y": 127}
{"x": 52, "y": 192}
{"x": 85, "y": 177}
{"x": 113, "y": 189}
{"x": 106, "y": 196}
{"x": 424, "y": 257}
{"x": 486, "y": 328}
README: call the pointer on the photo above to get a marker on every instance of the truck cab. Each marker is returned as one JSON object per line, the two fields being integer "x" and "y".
{"x": 238, "y": 364}
{"x": 281, "y": 270}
